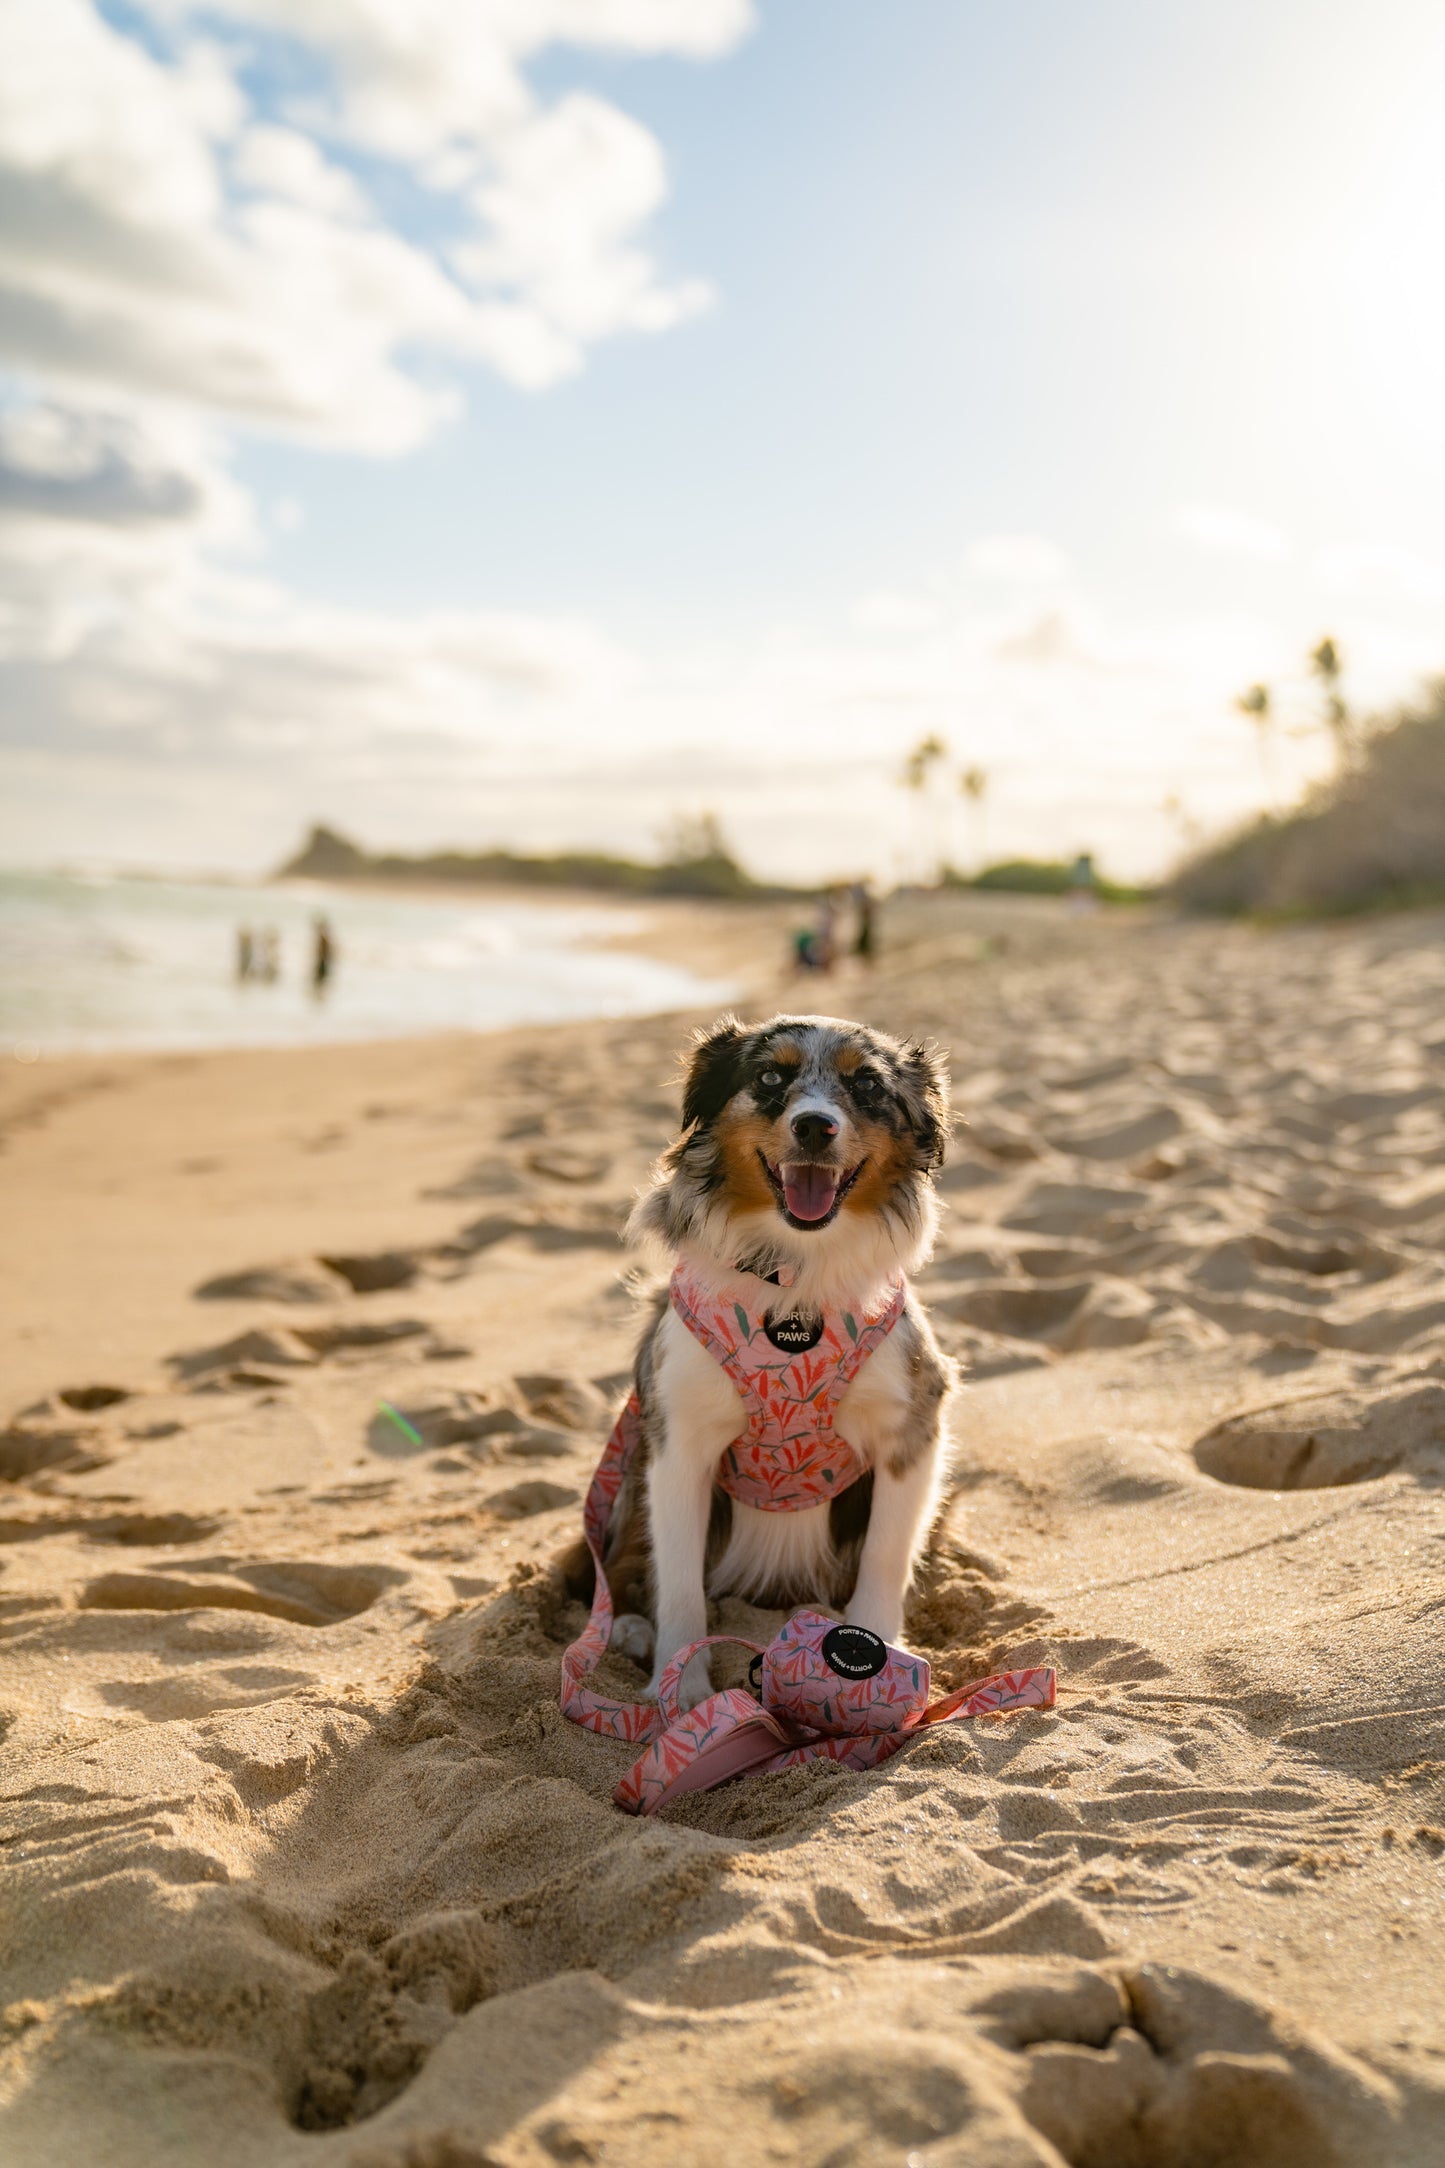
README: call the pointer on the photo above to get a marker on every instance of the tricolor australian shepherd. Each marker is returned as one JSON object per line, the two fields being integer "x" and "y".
{"x": 802, "y": 1177}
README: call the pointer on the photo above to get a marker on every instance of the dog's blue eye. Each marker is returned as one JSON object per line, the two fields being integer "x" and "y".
{"x": 770, "y": 1079}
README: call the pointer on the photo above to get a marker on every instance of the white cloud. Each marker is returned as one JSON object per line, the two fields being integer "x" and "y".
{"x": 1233, "y": 533}
{"x": 1021, "y": 557}
{"x": 100, "y": 470}
{"x": 412, "y": 79}
{"x": 178, "y": 254}
{"x": 283, "y": 162}
{"x": 161, "y": 239}
{"x": 570, "y": 189}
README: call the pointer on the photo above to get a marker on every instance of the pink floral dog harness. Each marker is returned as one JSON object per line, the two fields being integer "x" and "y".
{"x": 816, "y": 1701}
{"x": 791, "y": 1374}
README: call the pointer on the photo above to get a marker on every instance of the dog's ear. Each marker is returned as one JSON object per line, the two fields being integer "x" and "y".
{"x": 714, "y": 1072}
{"x": 925, "y": 1096}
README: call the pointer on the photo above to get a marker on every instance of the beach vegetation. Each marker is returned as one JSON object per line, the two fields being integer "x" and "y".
{"x": 1043, "y": 877}
{"x": 1369, "y": 836}
{"x": 696, "y": 860}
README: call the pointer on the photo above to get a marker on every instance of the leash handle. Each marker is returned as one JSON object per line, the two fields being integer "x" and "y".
{"x": 671, "y": 1678}
{"x": 1033, "y": 1688}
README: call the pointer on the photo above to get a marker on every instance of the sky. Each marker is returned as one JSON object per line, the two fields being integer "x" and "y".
{"x": 536, "y": 422}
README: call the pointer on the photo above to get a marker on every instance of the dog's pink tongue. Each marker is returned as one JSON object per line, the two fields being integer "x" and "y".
{"x": 810, "y": 1191}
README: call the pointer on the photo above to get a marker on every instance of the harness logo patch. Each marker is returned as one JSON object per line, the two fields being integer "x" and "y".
{"x": 793, "y": 1335}
{"x": 854, "y": 1653}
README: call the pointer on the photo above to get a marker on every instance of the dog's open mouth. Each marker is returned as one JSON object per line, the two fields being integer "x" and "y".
{"x": 809, "y": 1194}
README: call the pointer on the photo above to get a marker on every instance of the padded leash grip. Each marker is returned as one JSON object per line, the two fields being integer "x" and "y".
{"x": 671, "y": 1678}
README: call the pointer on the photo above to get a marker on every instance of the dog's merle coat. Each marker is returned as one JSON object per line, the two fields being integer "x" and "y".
{"x": 805, "y": 1158}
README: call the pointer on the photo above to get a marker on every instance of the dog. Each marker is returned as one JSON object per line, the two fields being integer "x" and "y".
{"x": 792, "y": 1205}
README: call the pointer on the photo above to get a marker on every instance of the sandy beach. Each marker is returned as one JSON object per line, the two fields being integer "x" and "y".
{"x": 303, "y": 1863}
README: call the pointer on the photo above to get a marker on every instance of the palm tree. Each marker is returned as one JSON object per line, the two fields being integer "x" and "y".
{"x": 917, "y": 776}
{"x": 1328, "y": 666}
{"x": 973, "y": 782}
{"x": 1258, "y": 704}
{"x": 919, "y": 766}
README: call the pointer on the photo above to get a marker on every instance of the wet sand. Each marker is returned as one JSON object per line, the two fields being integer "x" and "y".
{"x": 303, "y": 1863}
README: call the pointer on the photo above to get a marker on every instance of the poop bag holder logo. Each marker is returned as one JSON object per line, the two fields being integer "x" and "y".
{"x": 823, "y": 1690}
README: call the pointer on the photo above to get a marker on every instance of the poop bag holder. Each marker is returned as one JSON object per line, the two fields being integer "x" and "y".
{"x": 825, "y": 1691}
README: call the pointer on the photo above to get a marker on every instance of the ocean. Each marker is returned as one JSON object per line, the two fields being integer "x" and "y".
{"x": 90, "y": 963}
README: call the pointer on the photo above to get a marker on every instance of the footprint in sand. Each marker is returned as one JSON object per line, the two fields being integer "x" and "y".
{"x": 461, "y": 1419}
{"x": 1069, "y": 1314}
{"x": 370, "y": 2029}
{"x": 1076, "y": 1208}
{"x": 32, "y": 1449}
{"x": 1165, "y": 2068}
{"x": 377, "y": 1273}
{"x": 150, "y": 1528}
{"x": 525, "y": 1499}
{"x": 301, "y": 1591}
{"x": 89, "y": 1399}
{"x": 559, "y": 1164}
{"x": 1324, "y": 1440}
{"x": 599, "y": 1232}
{"x": 284, "y": 1347}
{"x": 568, "y": 1402}
{"x": 1128, "y": 1138}
{"x": 484, "y": 1178}
{"x": 267, "y": 1283}
{"x": 277, "y": 1349}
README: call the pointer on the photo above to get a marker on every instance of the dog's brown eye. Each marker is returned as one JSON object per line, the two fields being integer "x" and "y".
{"x": 866, "y": 1087}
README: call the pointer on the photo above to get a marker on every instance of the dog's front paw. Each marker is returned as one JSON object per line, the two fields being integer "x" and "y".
{"x": 882, "y": 1618}
{"x": 632, "y": 1636}
{"x": 695, "y": 1684}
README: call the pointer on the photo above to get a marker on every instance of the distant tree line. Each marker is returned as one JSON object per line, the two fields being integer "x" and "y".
{"x": 697, "y": 861}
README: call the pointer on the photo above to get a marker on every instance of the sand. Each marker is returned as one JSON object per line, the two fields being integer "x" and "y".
{"x": 304, "y": 1865}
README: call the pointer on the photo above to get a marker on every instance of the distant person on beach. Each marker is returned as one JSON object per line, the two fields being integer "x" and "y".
{"x": 245, "y": 955}
{"x": 1083, "y": 883}
{"x": 266, "y": 963}
{"x": 323, "y": 956}
{"x": 865, "y": 930}
{"x": 825, "y": 941}
{"x": 815, "y": 946}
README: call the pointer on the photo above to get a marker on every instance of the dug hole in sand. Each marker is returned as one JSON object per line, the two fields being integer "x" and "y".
{"x": 302, "y": 1863}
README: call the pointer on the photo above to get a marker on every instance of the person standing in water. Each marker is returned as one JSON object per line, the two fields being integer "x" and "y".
{"x": 865, "y": 931}
{"x": 245, "y": 954}
{"x": 323, "y": 956}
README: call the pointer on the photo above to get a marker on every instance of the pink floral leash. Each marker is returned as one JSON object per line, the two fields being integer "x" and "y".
{"x": 789, "y": 1457}
{"x": 828, "y": 1692}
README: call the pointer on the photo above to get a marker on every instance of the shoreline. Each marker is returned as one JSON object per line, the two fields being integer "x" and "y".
{"x": 704, "y": 941}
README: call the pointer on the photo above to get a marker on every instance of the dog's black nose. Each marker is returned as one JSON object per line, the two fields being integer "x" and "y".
{"x": 813, "y": 1131}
